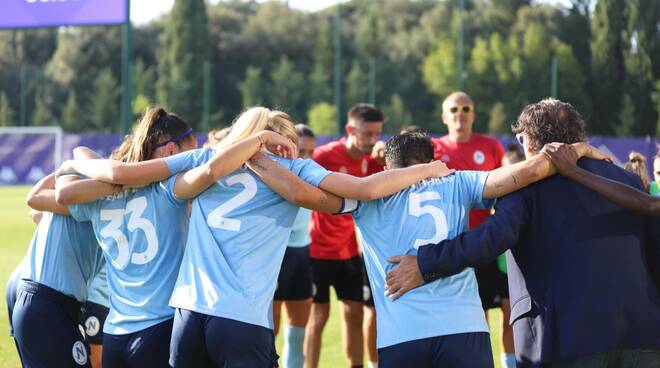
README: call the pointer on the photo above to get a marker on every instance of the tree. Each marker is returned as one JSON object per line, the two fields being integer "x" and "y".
{"x": 185, "y": 49}
{"x": 104, "y": 102}
{"x": 287, "y": 88}
{"x": 440, "y": 68}
{"x": 397, "y": 115}
{"x": 41, "y": 115}
{"x": 72, "y": 117}
{"x": 497, "y": 119}
{"x": 252, "y": 88}
{"x": 627, "y": 117}
{"x": 320, "y": 88}
{"x": 6, "y": 112}
{"x": 607, "y": 68}
{"x": 356, "y": 85}
{"x": 321, "y": 118}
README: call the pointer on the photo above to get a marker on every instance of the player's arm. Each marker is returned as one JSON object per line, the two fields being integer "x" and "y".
{"x": 191, "y": 183}
{"x": 508, "y": 179}
{"x": 383, "y": 183}
{"x": 71, "y": 189}
{"x": 565, "y": 160}
{"x": 42, "y": 197}
{"x": 117, "y": 172}
{"x": 292, "y": 188}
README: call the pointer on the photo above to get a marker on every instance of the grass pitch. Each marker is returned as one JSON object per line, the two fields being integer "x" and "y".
{"x": 16, "y": 230}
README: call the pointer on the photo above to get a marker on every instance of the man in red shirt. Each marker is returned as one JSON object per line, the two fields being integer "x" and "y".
{"x": 463, "y": 149}
{"x": 334, "y": 251}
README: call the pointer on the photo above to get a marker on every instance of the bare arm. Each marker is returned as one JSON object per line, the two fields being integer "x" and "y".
{"x": 191, "y": 183}
{"x": 72, "y": 190}
{"x": 291, "y": 187}
{"x": 383, "y": 183}
{"x": 42, "y": 196}
{"x": 632, "y": 199}
{"x": 508, "y": 179}
{"x": 117, "y": 172}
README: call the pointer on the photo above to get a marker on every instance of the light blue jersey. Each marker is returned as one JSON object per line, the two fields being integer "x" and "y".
{"x": 300, "y": 230}
{"x": 142, "y": 233}
{"x": 98, "y": 286}
{"x": 63, "y": 255}
{"x": 425, "y": 213}
{"x": 238, "y": 234}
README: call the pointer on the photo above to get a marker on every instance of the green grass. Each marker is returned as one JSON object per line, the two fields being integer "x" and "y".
{"x": 16, "y": 231}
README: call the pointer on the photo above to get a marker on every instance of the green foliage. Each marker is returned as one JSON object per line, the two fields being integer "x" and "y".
{"x": 497, "y": 120}
{"x": 42, "y": 114}
{"x": 252, "y": 88}
{"x": 104, "y": 102}
{"x": 287, "y": 88}
{"x": 72, "y": 116}
{"x": 626, "y": 117}
{"x": 440, "y": 68}
{"x": 397, "y": 115}
{"x": 321, "y": 118}
{"x": 6, "y": 112}
{"x": 356, "y": 83}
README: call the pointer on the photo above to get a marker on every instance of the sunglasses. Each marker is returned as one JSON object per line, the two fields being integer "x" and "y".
{"x": 521, "y": 139}
{"x": 466, "y": 109}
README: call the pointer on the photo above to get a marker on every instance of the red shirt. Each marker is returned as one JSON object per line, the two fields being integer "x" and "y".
{"x": 481, "y": 153}
{"x": 333, "y": 236}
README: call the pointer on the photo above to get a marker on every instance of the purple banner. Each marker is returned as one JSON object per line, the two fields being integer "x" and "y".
{"x": 44, "y": 13}
{"x": 26, "y": 158}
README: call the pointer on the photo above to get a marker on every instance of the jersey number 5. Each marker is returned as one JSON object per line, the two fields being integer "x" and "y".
{"x": 135, "y": 208}
{"x": 416, "y": 209}
{"x": 217, "y": 217}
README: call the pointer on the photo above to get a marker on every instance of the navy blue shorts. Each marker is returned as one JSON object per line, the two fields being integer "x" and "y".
{"x": 47, "y": 328}
{"x": 345, "y": 275}
{"x": 199, "y": 340}
{"x": 145, "y": 348}
{"x": 465, "y": 350}
{"x": 93, "y": 320}
{"x": 295, "y": 279}
{"x": 10, "y": 297}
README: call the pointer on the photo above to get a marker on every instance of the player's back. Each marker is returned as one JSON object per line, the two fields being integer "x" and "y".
{"x": 426, "y": 213}
{"x": 238, "y": 235}
{"x": 142, "y": 233}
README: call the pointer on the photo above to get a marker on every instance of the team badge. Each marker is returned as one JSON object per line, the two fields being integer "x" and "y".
{"x": 79, "y": 353}
{"x": 479, "y": 157}
{"x": 92, "y": 326}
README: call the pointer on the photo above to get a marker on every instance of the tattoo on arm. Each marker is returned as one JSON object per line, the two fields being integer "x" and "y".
{"x": 256, "y": 163}
{"x": 515, "y": 181}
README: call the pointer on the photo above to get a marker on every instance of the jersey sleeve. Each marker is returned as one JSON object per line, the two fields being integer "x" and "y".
{"x": 187, "y": 160}
{"x": 167, "y": 189}
{"x": 472, "y": 184}
{"x": 309, "y": 171}
{"x": 83, "y": 211}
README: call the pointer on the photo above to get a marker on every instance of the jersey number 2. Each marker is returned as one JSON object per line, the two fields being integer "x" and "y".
{"x": 135, "y": 208}
{"x": 217, "y": 217}
{"x": 416, "y": 209}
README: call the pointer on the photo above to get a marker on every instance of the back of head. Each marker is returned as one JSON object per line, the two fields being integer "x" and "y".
{"x": 257, "y": 119}
{"x": 637, "y": 165}
{"x": 365, "y": 113}
{"x": 155, "y": 127}
{"x": 413, "y": 129}
{"x": 406, "y": 149}
{"x": 513, "y": 154}
{"x": 303, "y": 130}
{"x": 548, "y": 121}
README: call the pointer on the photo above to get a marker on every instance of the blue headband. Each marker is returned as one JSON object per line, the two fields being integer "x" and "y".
{"x": 175, "y": 139}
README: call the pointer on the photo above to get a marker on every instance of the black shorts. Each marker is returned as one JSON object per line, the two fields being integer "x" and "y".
{"x": 93, "y": 320}
{"x": 493, "y": 285}
{"x": 47, "y": 328}
{"x": 200, "y": 341}
{"x": 367, "y": 297}
{"x": 345, "y": 275}
{"x": 295, "y": 279}
{"x": 463, "y": 350}
{"x": 145, "y": 348}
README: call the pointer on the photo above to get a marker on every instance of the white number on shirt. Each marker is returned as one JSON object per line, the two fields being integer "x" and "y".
{"x": 135, "y": 208}
{"x": 416, "y": 209}
{"x": 217, "y": 217}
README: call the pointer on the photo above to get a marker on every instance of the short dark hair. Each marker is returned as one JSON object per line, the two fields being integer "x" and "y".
{"x": 548, "y": 121}
{"x": 413, "y": 129}
{"x": 304, "y": 131}
{"x": 405, "y": 149}
{"x": 365, "y": 113}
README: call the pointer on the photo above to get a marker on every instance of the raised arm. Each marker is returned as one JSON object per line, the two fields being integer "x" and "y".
{"x": 73, "y": 190}
{"x": 383, "y": 183}
{"x": 565, "y": 160}
{"x": 291, "y": 187}
{"x": 117, "y": 172}
{"x": 508, "y": 179}
{"x": 42, "y": 196}
{"x": 191, "y": 183}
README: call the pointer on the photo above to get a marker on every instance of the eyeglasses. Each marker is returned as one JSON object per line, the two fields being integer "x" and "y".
{"x": 521, "y": 139}
{"x": 465, "y": 108}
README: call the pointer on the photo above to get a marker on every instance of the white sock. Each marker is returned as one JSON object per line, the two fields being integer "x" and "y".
{"x": 372, "y": 364}
{"x": 508, "y": 360}
{"x": 292, "y": 355}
